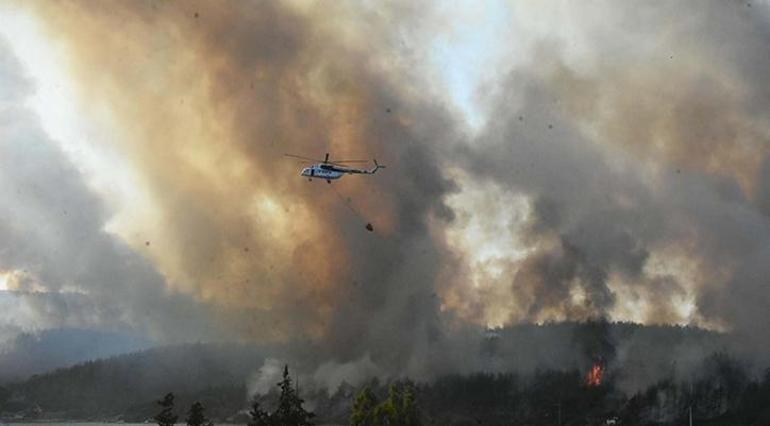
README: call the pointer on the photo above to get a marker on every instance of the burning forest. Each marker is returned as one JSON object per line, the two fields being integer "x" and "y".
{"x": 533, "y": 197}
{"x": 595, "y": 375}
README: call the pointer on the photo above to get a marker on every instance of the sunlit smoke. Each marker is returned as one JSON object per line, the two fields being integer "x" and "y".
{"x": 613, "y": 164}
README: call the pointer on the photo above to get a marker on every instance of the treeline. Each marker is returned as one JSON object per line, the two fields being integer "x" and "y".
{"x": 121, "y": 388}
{"x": 723, "y": 395}
{"x": 125, "y": 388}
{"x": 39, "y": 352}
{"x": 288, "y": 412}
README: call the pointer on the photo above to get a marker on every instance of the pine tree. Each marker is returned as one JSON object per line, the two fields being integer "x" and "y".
{"x": 197, "y": 416}
{"x": 363, "y": 408}
{"x": 290, "y": 411}
{"x": 166, "y": 417}
{"x": 388, "y": 412}
{"x": 400, "y": 408}
{"x": 410, "y": 415}
{"x": 259, "y": 417}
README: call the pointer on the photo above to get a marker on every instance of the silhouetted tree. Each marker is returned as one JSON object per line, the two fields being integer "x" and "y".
{"x": 259, "y": 417}
{"x": 5, "y": 394}
{"x": 290, "y": 411}
{"x": 166, "y": 417}
{"x": 197, "y": 417}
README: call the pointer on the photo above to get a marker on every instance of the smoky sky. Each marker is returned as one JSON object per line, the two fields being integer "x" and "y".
{"x": 68, "y": 272}
{"x": 635, "y": 133}
{"x": 655, "y": 143}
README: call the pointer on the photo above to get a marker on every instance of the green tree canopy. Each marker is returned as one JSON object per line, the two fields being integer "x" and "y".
{"x": 290, "y": 411}
{"x": 363, "y": 408}
{"x": 400, "y": 408}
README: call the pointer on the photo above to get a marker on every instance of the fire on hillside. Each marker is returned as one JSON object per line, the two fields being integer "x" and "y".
{"x": 595, "y": 375}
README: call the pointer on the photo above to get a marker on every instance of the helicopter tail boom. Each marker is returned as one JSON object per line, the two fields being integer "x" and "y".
{"x": 377, "y": 166}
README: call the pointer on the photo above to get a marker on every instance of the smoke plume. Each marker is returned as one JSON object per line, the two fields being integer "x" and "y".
{"x": 625, "y": 147}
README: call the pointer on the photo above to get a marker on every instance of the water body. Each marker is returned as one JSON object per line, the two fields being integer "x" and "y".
{"x": 114, "y": 424}
{"x": 98, "y": 424}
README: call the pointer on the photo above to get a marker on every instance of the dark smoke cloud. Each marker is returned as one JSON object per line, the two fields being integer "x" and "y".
{"x": 208, "y": 110}
{"x": 644, "y": 145}
{"x": 650, "y": 141}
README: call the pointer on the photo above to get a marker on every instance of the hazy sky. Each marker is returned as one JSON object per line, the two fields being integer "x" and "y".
{"x": 546, "y": 161}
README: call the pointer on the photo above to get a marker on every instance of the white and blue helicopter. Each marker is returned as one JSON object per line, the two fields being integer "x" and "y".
{"x": 332, "y": 170}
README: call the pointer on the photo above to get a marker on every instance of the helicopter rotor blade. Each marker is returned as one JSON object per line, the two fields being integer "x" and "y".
{"x": 325, "y": 160}
{"x": 302, "y": 158}
{"x": 349, "y": 161}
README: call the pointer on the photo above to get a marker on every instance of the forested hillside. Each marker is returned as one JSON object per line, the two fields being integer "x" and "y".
{"x": 127, "y": 385}
{"x": 35, "y": 353}
{"x": 624, "y": 372}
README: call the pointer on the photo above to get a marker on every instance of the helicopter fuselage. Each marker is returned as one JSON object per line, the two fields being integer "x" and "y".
{"x": 329, "y": 171}
{"x": 321, "y": 171}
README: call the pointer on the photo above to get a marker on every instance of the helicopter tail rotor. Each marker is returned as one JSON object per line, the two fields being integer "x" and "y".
{"x": 377, "y": 166}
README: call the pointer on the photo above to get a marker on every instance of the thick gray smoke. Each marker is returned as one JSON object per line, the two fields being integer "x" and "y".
{"x": 636, "y": 133}
{"x": 273, "y": 257}
{"x": 66, "y": 271}
{"x": 646, "y": 144}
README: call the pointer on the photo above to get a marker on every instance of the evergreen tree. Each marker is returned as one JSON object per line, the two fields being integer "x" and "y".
{"x": 386, "y": 413}
{"x": 290, "y": 411}
{"x": 197, "y": 416}
{"x": 259, "y": 417}
{"x": 5, "y": 395}
{"x": 363, "y": 408}
{"x": 400, "y": 408}
{"x": 166, "y": 417}
{"x": 410, "y": 415}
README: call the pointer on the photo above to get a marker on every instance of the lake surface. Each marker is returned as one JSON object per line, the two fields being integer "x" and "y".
{"x": 114, "y": 424}
{"x": 102, "y": 424}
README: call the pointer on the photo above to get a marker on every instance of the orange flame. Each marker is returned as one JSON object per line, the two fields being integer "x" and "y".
{"x": 594, "y": 377}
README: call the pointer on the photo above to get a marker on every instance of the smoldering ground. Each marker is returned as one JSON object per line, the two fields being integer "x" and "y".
{"x": 636, "y": 139}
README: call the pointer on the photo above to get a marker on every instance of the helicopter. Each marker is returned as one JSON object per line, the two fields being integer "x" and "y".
{"x": 332, "y": 170}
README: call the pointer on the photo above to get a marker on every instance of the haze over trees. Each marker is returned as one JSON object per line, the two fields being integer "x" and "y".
{"x": 719, "y": 388}
{"x": 35, "y": 353}
{"x": 197, "y": 416}
{"x": 289, "y": 411}
{"x": 400, "y": 407}
{"x": 166, "y": 417}
{"x": 587, "y": 161}
{"x": 258, "y": 416}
